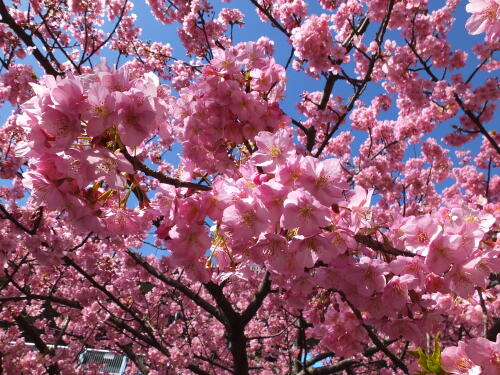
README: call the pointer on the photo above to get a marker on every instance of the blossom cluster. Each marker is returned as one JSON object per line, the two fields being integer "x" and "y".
{"x": 233, "y": 98}
{"x": 76, "y": 129}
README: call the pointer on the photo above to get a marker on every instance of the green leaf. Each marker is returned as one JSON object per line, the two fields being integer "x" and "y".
{"x": 429, "y": 364}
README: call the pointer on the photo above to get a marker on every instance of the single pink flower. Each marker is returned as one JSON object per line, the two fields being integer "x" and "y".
{"x": 443, "y": 251}
{"x": 121, "y": 221}
{"x": 292, "y": 262}
{"x": 485, "y": 17}
{"x": 455, "y": 361}
{"x": 136, "y": 117}
{"x": 68, "y": 96}
{"x": 188, "y": 241}
{"x": 396, "y": 292}
{"x": 323, "y": 179}
{"x": 360, "y": 206}
{"x": 244, "y": 219}
{"x": 101, "y": 114}
{"x": 303, "y": 211}
{"x": 486, "y": 354}
{"x": 273, "y": 150}
{"x": 272, "y": 194}
{"x": 60, "y": 128}
{"x": 368, "y": 276}
{"x": 109, "y": 166}
{"x": 419, "y": 232}
{"x": 461, "y": 280}
{"x": 47, "y": 193}
{"x": 268, "y": 246}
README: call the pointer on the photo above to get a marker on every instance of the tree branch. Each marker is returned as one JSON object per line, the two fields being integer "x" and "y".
{"x": 127, "y": 349}
{"x": 363, "y": 84}
{"x": 379, "y": 344}
{"x": 36, "y": 223}
{"x": 19, "y": 31}
{"x": 197, "y": 370}
{"x": 484, "y": 310}
{"x": 160, "y": 176}
{"x": 177, "y": 285}
{"x": 260, "y": 295}
{"x": 379, "y": 246}
{"x": 273, "y": 20}
{"x": 477, "y": 122}
{"x": 330, "y": 81}
{"x": 33, "y": 335}
{"x": 29, "y": 297}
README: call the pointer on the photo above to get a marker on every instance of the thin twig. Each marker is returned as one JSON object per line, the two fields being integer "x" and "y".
{"x": 160, "y": 176}
{"x": 373, "y": 336}
{"x": 484, "y": 310}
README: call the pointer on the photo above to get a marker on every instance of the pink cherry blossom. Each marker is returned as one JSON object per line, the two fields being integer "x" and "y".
{"x": 303, "y": 211}
{"x": 273, "y": 150}
{"x": 321, "y": 178}
{"x": 243, "y": 220}
{"x": 109, "y": 166}
{"x": 444, "y": 251}
{"x": 485, "y": 353}
{"x": 101, "y": 115}
{"x": 136, "y": 117}
{"x": 485, "y": 17}
{"x": 455, "y": 361}
{"x": 419, "y": 232}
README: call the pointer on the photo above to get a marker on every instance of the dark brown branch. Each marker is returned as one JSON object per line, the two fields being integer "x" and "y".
{"x": 213, "y": 363}
{"x": 197, "y": 370}
{"x": 273, "y": 20}
{"x": 371, "y": 350}
{"x": 60, "y": 47}
{"x": 494, "y": 330}
{"x": 82, "y": 242}
{"x": 21, "y": 34}
{"x": 260, "y": 295}
{"x": 177, "y": 285}
{"x": 116, "y": 301}
{"x": 98, "y": 47}
{"x": 477, "y": 122}
{"x": 331, "y": 369}
{"x": 319, "y": 357}
{"x": 327, "y": 91}
{"x": 121, "y": 325}
{"x": 379, "y": 246}
{"x": 373, "y": 336}
{"x": 274, "y": 334}
{"x": 468, "y": 112}
{"x": 16, "y": 268}
{"x": 488, "y": 179}
{"x": 231, "y": 317}
{"x": 484, "y": 310}
{"x": 363, "y": 25}
{"x": 127, "y": 349}
{"x": 29, "y": 297}
{"x": 33, "y": 335}
{"x": 479, "y": 66}
{"x": 36, "y": 223}
{"x": 160, "y": 176}
{"x": 384, "y": 148}
{"x": 363, "y": 84}
{"x": 235, "y": 328}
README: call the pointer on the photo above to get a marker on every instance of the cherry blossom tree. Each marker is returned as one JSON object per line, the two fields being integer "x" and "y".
{"x": 354, "y": 231}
